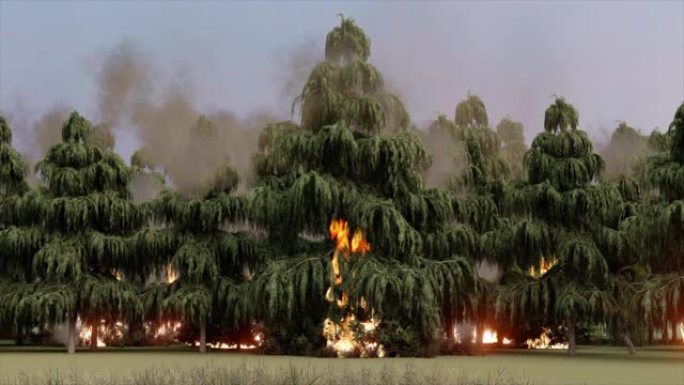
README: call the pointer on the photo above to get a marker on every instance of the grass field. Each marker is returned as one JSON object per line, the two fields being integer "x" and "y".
{"x": 592, "y": 365}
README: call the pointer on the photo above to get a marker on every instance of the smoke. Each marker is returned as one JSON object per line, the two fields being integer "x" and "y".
{"x": 295, "y": 65}
{"x": 46, "y": 132}
{"x": 622, "y": 151}
{"x": 60, "y": 333}
{"x": 489, "y": 271}
{"x": 183, "y": 143}
{"x": 449, "y": 157}
{"x": 124, "y": 75}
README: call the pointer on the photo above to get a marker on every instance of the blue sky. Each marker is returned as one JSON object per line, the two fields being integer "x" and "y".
{"x": 614, "y": 60}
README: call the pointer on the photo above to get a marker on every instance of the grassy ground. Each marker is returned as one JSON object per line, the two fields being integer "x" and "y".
{"x": 592, "y": 365}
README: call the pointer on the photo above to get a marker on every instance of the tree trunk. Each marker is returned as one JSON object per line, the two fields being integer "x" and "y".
{"x": 651, "y": 334}
{"x": 20, "y": 335}
{"x": 663, "y": 335}
{"x": 628, "y": 341}
{"x": 71, "y": 338}
{"x": 203, "y": 336}
{"x": 480, "y": 328}
{"x": 136, "y": 333}
{"x": 673, "y": 332}
{"x": 93, "y": 337}
{"x": 449, "y": 331}
{"x": 572, "y": 346}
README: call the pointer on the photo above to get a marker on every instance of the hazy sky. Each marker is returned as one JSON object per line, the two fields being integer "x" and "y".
{"x": 613, "y": 60}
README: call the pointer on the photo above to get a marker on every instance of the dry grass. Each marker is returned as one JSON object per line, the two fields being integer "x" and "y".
{"x": 593, "y": 365}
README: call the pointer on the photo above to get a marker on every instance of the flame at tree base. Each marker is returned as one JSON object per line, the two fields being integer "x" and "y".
{"x": 258, "y": 341}
{"x": 340, "y": 337}
{"x": 489, "y": 337}
{"x": 544, "y": 342}
{"x": 105, "y": 332}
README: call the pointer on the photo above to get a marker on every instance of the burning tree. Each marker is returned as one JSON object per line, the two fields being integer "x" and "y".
{"x": 477, "y": 185}
{"x": 655, "y": 234}
{"x": 354, "y": 159}
{"x": 86, "y": 213}
{"x": 207, "y": 268}
{"x": 562, "y": 227}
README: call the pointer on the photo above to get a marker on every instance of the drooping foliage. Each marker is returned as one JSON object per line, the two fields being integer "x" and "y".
{"x": 560, "y": 222}
{"x": 471, "y": 113}
{"x": 84, "y": 266}
{"x": 353, "y": 158}
{"x": 345, "y": 88}
{"x": 655, "y": 231}
{"x": 19, "y": 238}
{"x": 211, "y": 262}
{"x": 513, "y": 146}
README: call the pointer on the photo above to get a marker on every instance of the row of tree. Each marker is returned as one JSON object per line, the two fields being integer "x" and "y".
{"x": 566, "y": 246}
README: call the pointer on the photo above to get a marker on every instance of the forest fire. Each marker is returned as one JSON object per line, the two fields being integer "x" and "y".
{"x": 167, "y": 331}
{"x": 105, "y": 332}
{"x": 340, "y": 336}
{"x": 544, "y": 342}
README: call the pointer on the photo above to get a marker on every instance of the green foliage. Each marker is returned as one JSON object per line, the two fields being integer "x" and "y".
{"x": 13, "y": 169}
{"x": 346, "y": 43}
{"x": 346, "y": 88}
{"x": 560, "y": 116}
{"x": 561, "y": 217}
{"x": 105, "y": 297}
{"x": 471, "y": 113}
{"x": 676, "y": 132}
{"x": 294, "y": 287}
{"x": 513, "y": 145}
{"x": 190, "y": 302}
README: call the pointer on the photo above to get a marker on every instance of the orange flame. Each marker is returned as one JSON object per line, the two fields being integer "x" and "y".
{"x": 544, "y": 266}
{"x": 356, "y": 243}
{"x": 544, "y": 342}
{"x": 340, "y": 336}
{"x": 171, "y": 274}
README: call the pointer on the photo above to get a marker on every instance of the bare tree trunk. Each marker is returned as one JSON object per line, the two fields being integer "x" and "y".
{"x": 572, "y": 346}
{"x": 93, "y": 337}
{"x": 449, "y": 331}
{"x": 136, "y": 334}
{"x": 673, "y": 331}
{"x": 480, "y": 336}
{"x": 71, "y": 338}
{"x": 628, "y": 341}
{"x": 20, "y": 335}
{"x": 203, "y": 336}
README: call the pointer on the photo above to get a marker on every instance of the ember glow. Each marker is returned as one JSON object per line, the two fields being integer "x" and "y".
{"x": 339, "y": 335}
{"x": 681, "y": 330}
{"x": 544, "y": 266}
{"x": 167, "y": 331}
{"x": 489, "y": 337}
{"x": 544, "y": 342}
{"x": 105, "y": 331}
{"x": 258, "y": 341}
